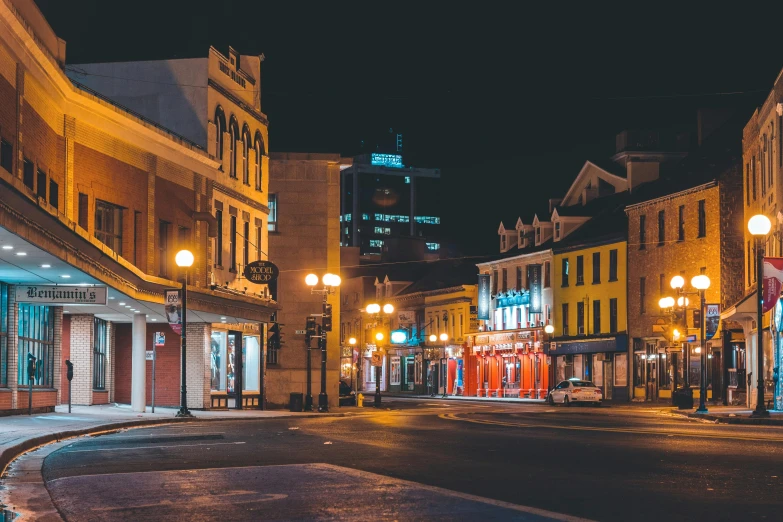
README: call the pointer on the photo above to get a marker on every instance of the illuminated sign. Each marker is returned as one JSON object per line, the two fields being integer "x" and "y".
{"x": 483, "y": 297}
{"x": 399, "y": 337}
{"x": 534, "y": 288}
{"x": 386, "y": 160}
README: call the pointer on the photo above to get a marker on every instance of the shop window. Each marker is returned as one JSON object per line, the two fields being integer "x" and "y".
{"x": 394, "y": 375}
{"x": 272, "y": 221}
{"x": 28, "y": 174}
{"x": 251, "y": 363}
{"x": 54, "y": 194}
{"x": 231, "y": 352}
{"x": 3, "y": 335}
{"x": 613, "y": 265}
{"x": 41, "y": 185}
{"x": 6, "y": 155}
{"x": 217, "y": 361}
{"x": 100, "y": 347}
{"x": 108, "y": 225}
{"x": 36, "y": 338}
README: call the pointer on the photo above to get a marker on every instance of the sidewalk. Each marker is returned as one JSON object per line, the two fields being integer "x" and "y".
{"x": 20, "y": 433}
{"x": 733, "y": 415}
{"x": 369, "y": 395}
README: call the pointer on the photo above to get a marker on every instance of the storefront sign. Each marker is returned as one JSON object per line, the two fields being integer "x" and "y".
{"x": 534, "y": 287}
{"x": 399, "y": 337}
{"x": 250, "y": 328}
{"x": 386, "y": 160}
{"x": 261, "y": 272}
{"x": 172, "y": 302}
{"x": 376, "y": 359}
{"x": 713, "y": 318}
{"x": 483, "y": 297}
{"x": 406, "y": 316}
{"x": 52, "y": 294}
{"x": 501, "y": 338}
{"x": 474, "y": 324}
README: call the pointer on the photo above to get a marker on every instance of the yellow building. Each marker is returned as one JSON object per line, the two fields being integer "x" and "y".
{"x": 590, "y": 339}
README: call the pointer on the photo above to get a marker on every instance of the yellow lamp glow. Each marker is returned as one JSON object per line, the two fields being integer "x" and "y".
{"x": 311, "y": 279}
{"x": 387, "y": 308}
{"x": 444, "y": 337}
{"x": 683, "y": 301}
{"x": 676, "y": 334}
{"x": 373, "y": 308}
{"x": 549, "y": 329}
{"x": 677, "y": 282}
{"x": 184, "y": 258}
{"x": 700, "y": 282}
{"x": 433, "y": 338}
{"x": 759, "y": 225}
{"x": 697, "y": 349}
{"x": 666, "y": 302}
{"x": 379, "y": 336}
{"x": 352, "y": 341}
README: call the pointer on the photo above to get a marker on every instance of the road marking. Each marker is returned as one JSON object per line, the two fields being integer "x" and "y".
{"x": 641, "y": 431}
{"x": 154, "y": 435}
{"x": 155, "y": 447}
{"x": 207, "y": 500}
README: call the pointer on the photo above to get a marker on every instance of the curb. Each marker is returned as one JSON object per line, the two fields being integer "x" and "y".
{"x": 722, "y": 419}
{"x": 461, "y": 399}
{"x": 11, "y": 453}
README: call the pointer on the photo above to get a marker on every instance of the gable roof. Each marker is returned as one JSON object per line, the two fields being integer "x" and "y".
{"x": 590, "y": 169}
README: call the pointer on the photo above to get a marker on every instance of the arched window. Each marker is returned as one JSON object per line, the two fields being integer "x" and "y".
{"x": 220, "y": 128}
{"x": 233, "y": 130}
{"x": 247, "y": 142}
{"x": 260, "y": 151}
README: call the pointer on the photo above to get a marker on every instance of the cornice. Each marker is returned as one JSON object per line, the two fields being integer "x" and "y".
{"x": 235, "y": 100}
{"x": 240, "y": 197}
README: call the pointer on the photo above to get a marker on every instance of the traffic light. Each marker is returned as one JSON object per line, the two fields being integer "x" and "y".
{"x": 327, "y": 321}
{"x": 310, "y": 328}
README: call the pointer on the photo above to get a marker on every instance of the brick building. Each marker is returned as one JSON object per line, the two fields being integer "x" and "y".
{"x": 96, "y": 201}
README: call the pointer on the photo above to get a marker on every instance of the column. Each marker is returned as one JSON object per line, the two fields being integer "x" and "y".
{"x": 198, "y": 371}
{"x": 82, "y": 357}
{"x": 139, "y": 364}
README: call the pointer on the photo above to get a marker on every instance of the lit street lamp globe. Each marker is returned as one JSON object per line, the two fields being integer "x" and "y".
{"x": 311, "y": 280}
{"x": 387, "y": 308}
{"x": 373, "y": 308}
{"x": 352, "y": 341}
{"x": 700, "y": 282}
{"x": 184, "y": 258}
{"x": 444, "y": 337}
{"x": 677, "y": 282}
{"x": 433, "y": 338}
{"x": 759, "y": 225}
{"x": 379, "y": 336}
{"x": 549, "y": 329}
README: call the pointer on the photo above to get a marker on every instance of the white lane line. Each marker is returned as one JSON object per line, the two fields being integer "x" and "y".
{"x": 151, "y": 435}
{"x": 155, "y": 447}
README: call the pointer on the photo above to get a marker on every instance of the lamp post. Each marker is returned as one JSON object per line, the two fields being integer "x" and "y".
{"x": 702, "y": 283}
{"x": 374, "y": 309}
{"x": 330, "y": 283}
{"x": 445, "y": 337}
{"x": 184, "y": 259}
{"x": 759, "y": 226}
{"x": 433, "y": 339}
{"x": 354, "y": 385}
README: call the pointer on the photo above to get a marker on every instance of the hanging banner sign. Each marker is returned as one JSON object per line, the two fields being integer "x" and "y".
{"x": 773, "y": 282}
{"x": 483, "y": 297}
{"x": 261, "y": 272}
{"x": 160, "y": 339}
{"x": 713, "y": 318}
{"x": 534, "y": 287}
{"x": 172, "y": 302}
{"x": 52, "y": 294}
{"x": 406, "y": 316}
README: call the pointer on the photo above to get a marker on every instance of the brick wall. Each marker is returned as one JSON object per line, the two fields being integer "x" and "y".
{"x": 198, "y": 364}
{"x": 41, "y": 399}
{"x": 81, "y": 357}
{"x": 66, "y": 355}
{"x": 732, "y": 225}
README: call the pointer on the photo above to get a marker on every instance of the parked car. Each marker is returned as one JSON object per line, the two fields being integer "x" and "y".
{"x": 347, "y": 395}
{"x": 576, "y": 391}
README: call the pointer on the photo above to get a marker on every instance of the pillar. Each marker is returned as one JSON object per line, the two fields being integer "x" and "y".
{"x": 139, "y": 364}
{"x": 198, "y": 350}
{"x": 82, "y": 326}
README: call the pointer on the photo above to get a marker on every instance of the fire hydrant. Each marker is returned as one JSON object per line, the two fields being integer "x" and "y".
{"x": 360, "y": 400}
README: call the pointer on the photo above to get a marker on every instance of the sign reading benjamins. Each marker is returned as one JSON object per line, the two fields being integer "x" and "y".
{"x": 261, "y": 272}
{"x": 52, "y": 294}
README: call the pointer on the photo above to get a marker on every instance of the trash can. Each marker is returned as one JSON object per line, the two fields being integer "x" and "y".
{"x": 296, "y": 402}
{"x": 683, "y": 398}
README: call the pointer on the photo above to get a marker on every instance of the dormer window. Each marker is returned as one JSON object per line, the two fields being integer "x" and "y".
{"x": 503, "y": 242}
{"x": 538, "y": 235}
{"x": 557, "y": 231}
{"x": 521, "y": 241}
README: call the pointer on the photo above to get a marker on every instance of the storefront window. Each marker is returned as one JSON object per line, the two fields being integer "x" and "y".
{"x": 251, "y": 363}
{"x": 36, "y": 337}
{"x": 231, "y": 350}
{"x": 639, "y": 364}
{"x": 3, "y": 334}
{"x": 217, "y": 361}
{"x": 598, "y": 371}
{"x": 99, "y": 349}
{"x": 395, "y": 371}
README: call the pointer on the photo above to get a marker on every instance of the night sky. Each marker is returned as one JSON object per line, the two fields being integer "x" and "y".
{"x": 509, "y": 100}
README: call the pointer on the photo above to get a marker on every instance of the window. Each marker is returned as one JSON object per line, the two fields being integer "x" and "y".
{"x": 681, "y": 224}
{"x": 258, "y": 243}
{"x": 642, "y": 294}
{"x": 100, "y": 347}
{"x": 661, "y": 228}
{"x": 580, "y": 270}
{"x": 246, "y": 245}
{"x": 662, "y": 285}
{"x": 764, "y": 166}
{"x": 596, "y": 317}
{"x": 747, "y": 184}
{"x": 642, "y": 232}
{"x": 3, "y": 334}
{"x": 163, "y": 249}
{"x": 251, "y": 363}
{"x": 54, "y": 194}
{"x": 538, "y": 235}
{"x": 272, "y": 203}
{"x": 376, "y": 243}
{"x": 753, "y": 175}
{"x": 494, "y": 282}
{"x": 41, "y": 185}
{"x": 519, "y": 278}
{"x": 260, "y": 152}
{"x": 246, "y": 155}
{"x": 503, "y": 243}
{"x": 580, "y": 318}
{"x": 557, "y": 231}
{"x": 36, "y": 337}
{"x": 547, "y": 269}
{"x": 108, "y": 225}
{"x": 427, "y": 220}
{"x": 749, "y": 264}
{"x": 564, "y": 281}
{"x": 378, "y": 230}
{"x": 565, "y": 318}
{"x": 702, "y": 219}
{"x": 220, "y": 128}
{"x": 596, "y": 267}
{"x": 613, "y": 315}
{"x": 233, "y": 130}
{"x": 217, "y": 363}
{"x": 28, "y": 174}
{"x": 83, "y": 211}
{"x": 232, "y": 244}
{"x": 433, "y": 246}
{"x": 505, "y": 280}
{"x": 6, "y": 155}
{"x": 219, "y": 238}
{"x": 613, "y": 265}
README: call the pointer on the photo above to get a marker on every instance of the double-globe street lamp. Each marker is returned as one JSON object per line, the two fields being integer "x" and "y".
{"x": 701, "y": 283}
{"x": 184, "y": 259}
{"x": 444, "y": 368}
{"x": 330, "y": 283}
{"x": 374, "y": 310}
{"x": 759, "y": 226}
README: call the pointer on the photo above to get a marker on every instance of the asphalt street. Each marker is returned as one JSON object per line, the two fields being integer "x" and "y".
{"x": 428, "y": 459}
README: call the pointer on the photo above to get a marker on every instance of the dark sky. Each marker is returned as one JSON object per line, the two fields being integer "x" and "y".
{"x": 509, "y": 99}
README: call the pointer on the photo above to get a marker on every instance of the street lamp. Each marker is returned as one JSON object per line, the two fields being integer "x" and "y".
{"x": 330, "y": 283}
{"x": 702, "y": 283}
{"x": 444, "y": 337}
{"x": 352, "y": 341}
{"x": 374, "y": 309}
{"x": 759, "y": 226}
{"x": 184, "y": 259}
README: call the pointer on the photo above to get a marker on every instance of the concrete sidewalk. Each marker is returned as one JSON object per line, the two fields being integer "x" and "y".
{"x": 733, "y": 415}
{"x": 20, "y": 433}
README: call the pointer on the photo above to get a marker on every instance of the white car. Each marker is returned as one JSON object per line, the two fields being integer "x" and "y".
{"x": 576, "y": 391}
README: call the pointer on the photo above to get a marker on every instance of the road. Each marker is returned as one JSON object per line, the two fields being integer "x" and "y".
{"x": 418, "y": 460}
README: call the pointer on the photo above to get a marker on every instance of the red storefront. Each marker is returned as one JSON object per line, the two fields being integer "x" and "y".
{"x": 507, "y": 364}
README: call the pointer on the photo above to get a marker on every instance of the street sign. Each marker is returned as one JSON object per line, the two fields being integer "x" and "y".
{"x": 377, "y": 359}
{"x": 160, "y": 338}
{"x": 261, "y": 272}
{"x": 149, "y": 355}
{"x": 172, "y": 301}
{"x": 300, "y": 332}
{"x": 691, "y": 338}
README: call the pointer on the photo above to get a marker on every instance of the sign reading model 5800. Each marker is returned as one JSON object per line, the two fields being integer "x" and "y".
{"x": 261, "y": 272}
